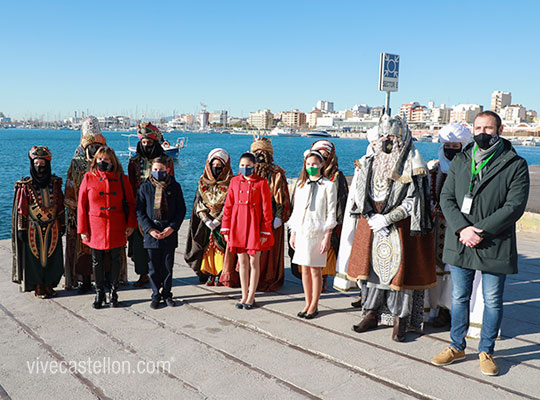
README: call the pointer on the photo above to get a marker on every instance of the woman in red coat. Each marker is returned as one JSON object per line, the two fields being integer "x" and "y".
{"x": 102, "y": 220}
{"x": 247, "y": 224}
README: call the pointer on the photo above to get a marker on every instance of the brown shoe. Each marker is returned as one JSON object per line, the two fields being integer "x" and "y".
{"x": 39, "y": 292}
{"x": 448, "y": 356}
{"x": 487, "y": 364}
{"x": 357, "y": 303}
{"x": 400, "y": 327}
{"x": 368, "y": 322}
{"x": 143, "y": 280}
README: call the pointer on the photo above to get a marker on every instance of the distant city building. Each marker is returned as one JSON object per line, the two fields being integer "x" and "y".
{"x": 261, "y": 119}
{"x": 376, "y": 112}
{"x": 513, "y": 114}
{"x": 499, "y": 100}
{"x": 313, "y": 116}
{"x": 203, "y": 118}
{"x": 325, "y": 105}
{"x": 406, "y": 110}
{"x": 465, "y": 112}
{"x": 294, "y": 118}
{"x": 360, "y": 110}
{"x": 218, "y": 117}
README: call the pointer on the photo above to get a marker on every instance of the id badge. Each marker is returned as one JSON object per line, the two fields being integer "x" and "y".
{"x": 467, "y": 204}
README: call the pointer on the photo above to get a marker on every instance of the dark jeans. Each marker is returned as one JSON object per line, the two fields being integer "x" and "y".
{"x": 160, "y": 266}
{"x": 98, "y": 266}
{"x": 492, "y": 290}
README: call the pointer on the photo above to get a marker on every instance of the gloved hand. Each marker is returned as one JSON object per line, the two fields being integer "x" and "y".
{"x": 277, "y": 222}
{"x": 377, "y": 222}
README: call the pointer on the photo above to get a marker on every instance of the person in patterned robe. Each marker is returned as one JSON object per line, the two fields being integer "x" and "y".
{"x": 392, "y": 251}
{"x": 438, "y": 300}
{"x": 37, "y": 226}
{"x": 78, "y": 258}
{"x": 272, "y": 262}
{"x": 205, "y": 247}
{"x": 139, "y": 166}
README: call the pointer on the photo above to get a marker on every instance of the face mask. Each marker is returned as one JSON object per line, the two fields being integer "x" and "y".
{"x": 91, "y": 151}
{"x": 247, "y": 171}
{"x": 312, "y": 171}
{"x": 485, "y": 140}
{"x": 387, "y": 145}
{"x": 104, "y": 166}
{"x": 159, "y": 175}
{"x": 450, "y": 153}
{"x": 261, "y": 159}
{"x": 40, "y": 169}
{"x": 216, "y": 170}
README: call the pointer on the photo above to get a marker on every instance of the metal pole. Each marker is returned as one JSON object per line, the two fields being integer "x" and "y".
{"x": 387, "y": 104}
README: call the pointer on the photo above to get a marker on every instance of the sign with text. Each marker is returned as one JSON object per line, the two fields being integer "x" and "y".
{"x": 389, "y": 72}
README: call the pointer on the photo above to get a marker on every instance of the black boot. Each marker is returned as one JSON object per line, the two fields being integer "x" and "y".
{"x": 400, "y": 327}
{"x": 114, "y": 297}
{"x": 100, "y": 299}
{"x": 368, "y": 322}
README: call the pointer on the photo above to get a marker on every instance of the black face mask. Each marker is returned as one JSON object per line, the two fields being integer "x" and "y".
{"x": 450, "y": 153}
{"x": 485, "y": 140}
{"x": 216, "y": 170}
{"x": 261, "y": 159}
{"x": 91, "y": 151}
{"x": 387, "y": 145}
{"x": 104, "y": 166}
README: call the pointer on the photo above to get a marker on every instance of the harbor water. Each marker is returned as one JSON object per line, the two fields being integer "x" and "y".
{"x": 288, "y": 153}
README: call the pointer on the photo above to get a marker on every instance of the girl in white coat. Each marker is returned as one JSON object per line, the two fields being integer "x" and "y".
{"x": 311, "y": 223}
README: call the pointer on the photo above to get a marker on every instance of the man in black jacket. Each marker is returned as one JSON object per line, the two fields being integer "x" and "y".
{"x": 484, "y": 195}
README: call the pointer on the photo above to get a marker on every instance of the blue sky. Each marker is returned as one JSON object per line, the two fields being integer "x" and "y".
{"x": 116, "y": 57}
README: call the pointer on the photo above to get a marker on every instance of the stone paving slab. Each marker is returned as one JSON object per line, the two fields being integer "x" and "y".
{"x": 208, "y": 349}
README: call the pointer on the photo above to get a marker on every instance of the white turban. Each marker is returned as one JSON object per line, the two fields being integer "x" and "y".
{"x": 323, "y": 145}
{"x": 219, "y": 154}
{"x": 455, "y": 133}
{"x": 452, "y": 133}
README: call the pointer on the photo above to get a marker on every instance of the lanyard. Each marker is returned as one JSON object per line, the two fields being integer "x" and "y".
{"x": 476, "y": 171}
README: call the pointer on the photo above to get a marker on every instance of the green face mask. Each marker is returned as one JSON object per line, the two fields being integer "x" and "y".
{"x": 312, "y": 171}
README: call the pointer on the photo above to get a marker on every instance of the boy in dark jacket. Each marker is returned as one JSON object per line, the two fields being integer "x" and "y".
{"x": 160, "y": 211}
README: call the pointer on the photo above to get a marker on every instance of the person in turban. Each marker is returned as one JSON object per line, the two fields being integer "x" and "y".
{"x": 78, "y": 258}
{"x": 139, "y": 171}
{"x": 272, "y": 262}
{"x": 37, "y": 226}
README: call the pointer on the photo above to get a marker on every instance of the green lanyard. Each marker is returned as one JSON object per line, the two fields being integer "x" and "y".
{"x": 476, "y": 171}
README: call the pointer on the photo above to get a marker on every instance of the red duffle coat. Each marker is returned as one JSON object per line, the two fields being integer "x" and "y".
{"x": 247, "y": 215}
{"x": 100, "y": 211}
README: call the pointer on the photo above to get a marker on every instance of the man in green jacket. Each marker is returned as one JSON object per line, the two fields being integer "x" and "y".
{"x": 484, "y": 195}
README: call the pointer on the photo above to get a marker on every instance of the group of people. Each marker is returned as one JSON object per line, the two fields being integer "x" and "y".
{"x": 414, "y": 237}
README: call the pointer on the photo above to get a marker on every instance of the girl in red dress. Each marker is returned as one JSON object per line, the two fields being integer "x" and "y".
{"x": 247, "y": 225}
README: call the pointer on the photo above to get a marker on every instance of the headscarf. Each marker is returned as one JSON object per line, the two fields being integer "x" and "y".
{"x": 208, "y": 184}
{"x": 330, "y": 165}
{"x": 40, "y": 152}
{"x": 452, "y": 133}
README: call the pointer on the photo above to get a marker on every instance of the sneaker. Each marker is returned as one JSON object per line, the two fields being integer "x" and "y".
{"x": 487, "y": 364}
{"x": 170, "y": 302}
{"x": 448, "y": 356}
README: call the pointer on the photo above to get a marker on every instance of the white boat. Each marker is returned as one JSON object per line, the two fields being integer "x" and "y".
{"x": 172, "y": 150}
{"x": 318, "y": 134}
{"x": 284, "y": 131}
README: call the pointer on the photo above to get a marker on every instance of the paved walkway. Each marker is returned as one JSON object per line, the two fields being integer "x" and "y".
{"x": 216, "y": 351}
